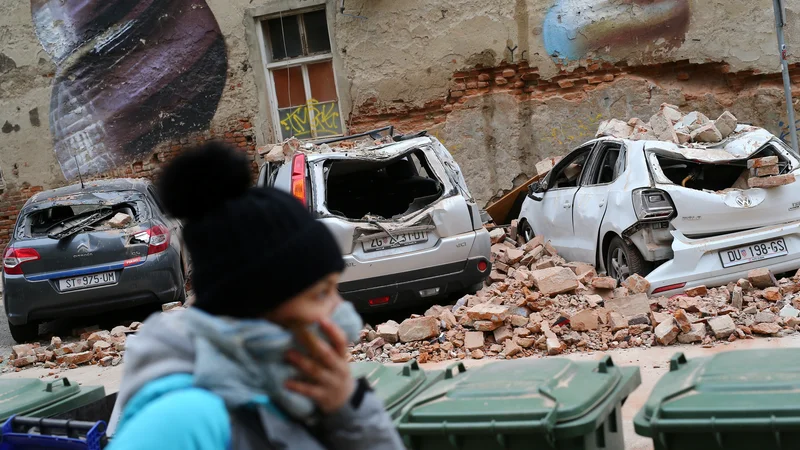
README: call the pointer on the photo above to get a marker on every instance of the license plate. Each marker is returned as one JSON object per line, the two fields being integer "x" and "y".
{"x": 87, "y": 281}
{"x": 394, "y": 241}
{"x": 753, "y": 252}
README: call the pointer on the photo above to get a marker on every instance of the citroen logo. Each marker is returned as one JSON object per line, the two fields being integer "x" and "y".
{"x": 743, "y": 201}
{"x": 83, "y": 248}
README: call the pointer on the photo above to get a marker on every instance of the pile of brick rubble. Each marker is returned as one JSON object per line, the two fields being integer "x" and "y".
{"x": 92, "y": 346}
{"x": 536, "y": 303}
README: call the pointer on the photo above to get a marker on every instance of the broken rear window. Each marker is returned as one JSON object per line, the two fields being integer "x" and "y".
{"x": 357, "y": 188}
{"x": 58, "y": 218}
{"x": 708, "y": 176}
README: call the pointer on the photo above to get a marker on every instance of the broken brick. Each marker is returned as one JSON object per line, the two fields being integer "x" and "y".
{"x": 510, "y": 348}
{"x": 699, "y": 291}
{"x": 766, "y": 161}
{"x": 389, "y": 331}
{"x": 488, "y": 311}
{"x": 477, "y": 354}
{"x": 616, "y": 322}
{"x": 773, "y": 294}
{"x": 722, "y": 326}
{"x": 637, "y": 284}
{"x": 706, "y": 133}
{"x": 762, "y": 278}
{"x": 556, "y": 280}
{"x": 585, "y": 320}
{"x": 765, "y": 171}
{"x": 683, "y": 321}
{"x": 486, "y": 325}
{"x": 76, "y": 358}
{"x": 418, "y": 329}
{"x": 518, "y": 321}
{"x": 604, "y": 283}
{"x": 695, "y": 334}
{"x": 473, "y": 340}
{"x": 502, "y": 333}
{"x": 400, "y": 357}
{"x": 667, "y": 331}
{"x": 22, "y": 351}
{"x": 120, "y": 220}
{"x": 55, "y": 342}
{"x": 171, "y": 306}
{"x": 771, "y": 182}
{"x": 766, "y": 328}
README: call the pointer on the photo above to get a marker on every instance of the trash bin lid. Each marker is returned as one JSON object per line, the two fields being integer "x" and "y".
{"x": 392, "y": 384}
{"x": 532, "y": 393}
{"x": 728, "y": 389}
{"x": 25, "y": 395}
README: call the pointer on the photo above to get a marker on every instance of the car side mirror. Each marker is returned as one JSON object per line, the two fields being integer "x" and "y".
{"x": 535, "y": 188}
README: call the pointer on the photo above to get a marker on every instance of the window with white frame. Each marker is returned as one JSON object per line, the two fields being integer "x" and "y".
{"x": 299, "y": 66}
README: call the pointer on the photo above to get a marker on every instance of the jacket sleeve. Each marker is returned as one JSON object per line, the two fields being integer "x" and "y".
{"x": 361, "y": 424}
{"x": 189, "y": 419}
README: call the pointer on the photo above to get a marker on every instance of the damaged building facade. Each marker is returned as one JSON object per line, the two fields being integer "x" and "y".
{"x": 107, "y": 89}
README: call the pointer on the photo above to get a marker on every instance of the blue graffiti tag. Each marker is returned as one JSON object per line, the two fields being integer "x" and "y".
{"x": 785, "y": 130}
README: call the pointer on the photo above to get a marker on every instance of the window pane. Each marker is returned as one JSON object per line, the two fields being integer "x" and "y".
{"x": 289, "y": 47}
{"x": 326, "y": 118}
{"x": 295, "y": 122}
{"x": 323, "y": 86}
{"x": 289, "y": 87}
{"x": 316, "y": 25}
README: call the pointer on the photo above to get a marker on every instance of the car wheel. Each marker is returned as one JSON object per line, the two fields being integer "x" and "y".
{"x": 24, "y": 333}
{"x": 624, "y": 260}
{"x": 526, "y": 231}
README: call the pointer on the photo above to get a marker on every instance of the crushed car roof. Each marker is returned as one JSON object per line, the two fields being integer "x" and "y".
{"x": 115, "y": 184}
{"x": 380, "y": 151}
{"x": 745, "y": 141}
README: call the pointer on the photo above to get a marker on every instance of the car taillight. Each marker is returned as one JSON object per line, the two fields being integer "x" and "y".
{"x": 157, "y": 238}
{"x": 670, "y": 287}
{"x": 652, "y": 205}
{"x": 15, "y": 257}
{"x": 299, "y": 177}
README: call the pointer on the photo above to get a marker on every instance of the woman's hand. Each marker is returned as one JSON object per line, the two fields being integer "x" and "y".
{"x": 326, "y": 373}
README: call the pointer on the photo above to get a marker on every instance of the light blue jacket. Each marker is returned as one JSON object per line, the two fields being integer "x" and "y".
{"x": 181, "y": 392}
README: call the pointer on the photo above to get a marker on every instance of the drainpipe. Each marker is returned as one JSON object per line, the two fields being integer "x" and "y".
{"x": 780, "y": 15}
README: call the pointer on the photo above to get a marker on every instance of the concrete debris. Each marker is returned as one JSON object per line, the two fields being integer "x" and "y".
{"x": 119, "y": 220}
{"x": 567, "y": 308}
{"x": 614, "y": 128}
{"x": 171, "y": 306}
{"x": 669, "y": 124}
{"x": 418, "y": 329}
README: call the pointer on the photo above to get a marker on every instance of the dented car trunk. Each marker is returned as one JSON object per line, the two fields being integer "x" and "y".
{"x": 707, "y": 184}
{"x": 84, "y": 230}
{"x": 389, "y": 201}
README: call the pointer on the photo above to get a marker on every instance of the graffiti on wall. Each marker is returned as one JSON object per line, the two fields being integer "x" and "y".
{"x": 321, "y": 117}
{"x": 130, "y": 74}
{"x": 784, "y": 127}
{"x": 573, "y": 29}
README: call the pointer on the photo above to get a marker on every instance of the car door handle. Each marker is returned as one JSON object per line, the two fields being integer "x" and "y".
{"x": 601, "y": 204}
{"x": 567, "y": 205}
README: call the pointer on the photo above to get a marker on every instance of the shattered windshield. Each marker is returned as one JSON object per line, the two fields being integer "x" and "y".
{"x": 58, "y": 218}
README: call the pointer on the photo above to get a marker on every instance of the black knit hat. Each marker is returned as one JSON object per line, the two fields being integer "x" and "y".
{"x": 251, "y": 248}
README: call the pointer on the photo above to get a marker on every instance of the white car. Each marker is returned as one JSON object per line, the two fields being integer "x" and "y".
{"x": 682, "y": 216}
{"x": 401, "y": 212}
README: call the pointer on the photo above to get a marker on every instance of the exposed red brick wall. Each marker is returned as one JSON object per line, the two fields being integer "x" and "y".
{"x": 239, "y": 135}
{"x": 571, "y": 84}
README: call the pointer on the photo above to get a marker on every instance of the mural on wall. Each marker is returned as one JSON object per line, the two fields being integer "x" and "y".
{"x": 130, "y": 74}
{"x": 611, "y": 29}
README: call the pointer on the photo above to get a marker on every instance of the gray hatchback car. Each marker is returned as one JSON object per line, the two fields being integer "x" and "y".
{"x": 83, "y": 250}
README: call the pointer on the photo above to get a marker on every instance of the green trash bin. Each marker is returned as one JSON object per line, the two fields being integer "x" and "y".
{"x": 34, "y": 398}
{"x": 552, "y": 403}
{"x": 395, "y": 385}
{"x": 744, "y": 399}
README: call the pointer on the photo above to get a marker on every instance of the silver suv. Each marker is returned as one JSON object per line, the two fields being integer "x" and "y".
{"x": 400, "y": 210}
